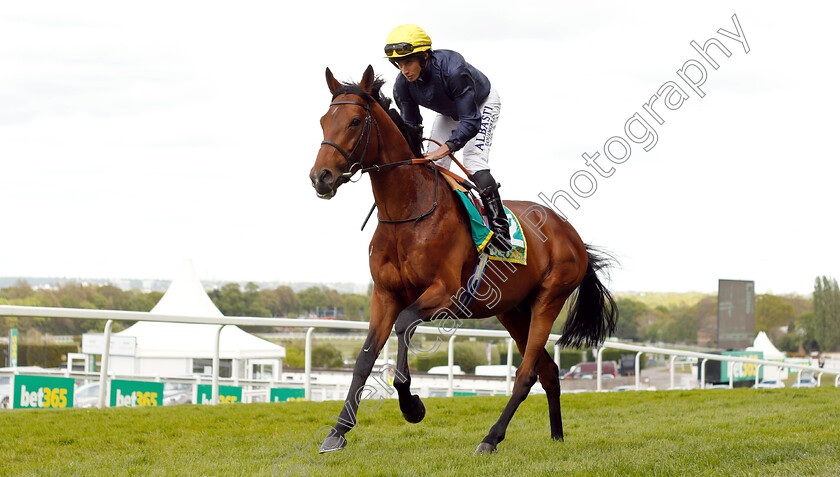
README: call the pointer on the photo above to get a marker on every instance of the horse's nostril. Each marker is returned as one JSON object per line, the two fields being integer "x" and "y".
{"x": 325, "y": 176}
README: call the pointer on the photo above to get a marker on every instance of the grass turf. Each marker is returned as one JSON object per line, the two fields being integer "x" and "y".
{"x": 716, "y": 432}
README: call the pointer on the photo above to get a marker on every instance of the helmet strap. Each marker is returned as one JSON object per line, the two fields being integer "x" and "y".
{"x": 424, "y": 55}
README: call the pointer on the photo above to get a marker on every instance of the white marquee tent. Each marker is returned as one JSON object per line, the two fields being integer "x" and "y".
{"x": 770, "y": 352}
{"x": 763, "y": 343}
{"x": 179, "y": 349}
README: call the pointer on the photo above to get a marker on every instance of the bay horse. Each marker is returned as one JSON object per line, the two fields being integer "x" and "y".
{"x": 422, "y": 257}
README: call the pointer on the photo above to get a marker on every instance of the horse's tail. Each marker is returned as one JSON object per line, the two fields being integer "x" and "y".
{"x": 592, "y": 312}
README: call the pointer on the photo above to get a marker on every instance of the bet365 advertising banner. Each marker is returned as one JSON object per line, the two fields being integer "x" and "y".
{"x": 43, "y": 392}
{"x": 136, "y": 393}
{"x": 741, "y": 371}
{"x": 287, "y": 394}
{"x": 227, "y": 394}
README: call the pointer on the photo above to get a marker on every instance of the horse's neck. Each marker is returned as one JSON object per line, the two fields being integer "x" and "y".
{"x": 401, "y": 192}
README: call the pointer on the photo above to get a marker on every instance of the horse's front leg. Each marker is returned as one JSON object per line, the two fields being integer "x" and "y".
{"x": 383, "y": 312}
{"x": 434, "y": 298}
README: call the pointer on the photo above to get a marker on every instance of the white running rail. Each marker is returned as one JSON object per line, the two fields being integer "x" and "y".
{"x": 674, "y": 353}
{"x": 309, "y": 324}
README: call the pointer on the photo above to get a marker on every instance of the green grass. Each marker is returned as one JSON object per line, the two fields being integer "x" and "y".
{"x": 721, "y": 432}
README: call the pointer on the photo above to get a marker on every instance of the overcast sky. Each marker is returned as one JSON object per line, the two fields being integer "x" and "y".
{"x": 135, "y": 135}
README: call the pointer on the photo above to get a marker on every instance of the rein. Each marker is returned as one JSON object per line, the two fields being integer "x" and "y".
{"x": 414, "y": 219}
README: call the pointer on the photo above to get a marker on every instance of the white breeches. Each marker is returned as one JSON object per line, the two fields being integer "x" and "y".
{"x": 476, "y": 153}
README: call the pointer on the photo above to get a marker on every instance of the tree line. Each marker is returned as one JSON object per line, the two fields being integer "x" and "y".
{"x": 792, "y": 322}
{"x": 231, "y": 299}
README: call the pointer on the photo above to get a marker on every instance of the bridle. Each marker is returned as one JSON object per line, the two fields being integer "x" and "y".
{"x": 359, "y": 167}
{"x": 365, "y": 136}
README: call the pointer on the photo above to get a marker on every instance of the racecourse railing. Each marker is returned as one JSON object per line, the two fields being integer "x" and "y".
{"x": 446, "y": 331}
{"x": 703, "y": 359}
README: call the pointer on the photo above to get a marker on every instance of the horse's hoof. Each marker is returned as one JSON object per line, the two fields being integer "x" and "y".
{"x": 484, "y": 448}
{"x": 417, "y": 413}
{"x": 332, "y": 444}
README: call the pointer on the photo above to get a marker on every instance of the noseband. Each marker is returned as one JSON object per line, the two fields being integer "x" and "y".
{"x": 365, "y": 136}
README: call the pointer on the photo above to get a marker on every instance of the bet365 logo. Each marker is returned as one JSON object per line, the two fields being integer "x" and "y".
{"x": 222, "y": 399}
{"x": 43, "y": 397}
{"x": 137, "y": 399}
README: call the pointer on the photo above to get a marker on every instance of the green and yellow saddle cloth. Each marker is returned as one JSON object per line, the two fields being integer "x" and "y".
{"x": 481, "y": 233}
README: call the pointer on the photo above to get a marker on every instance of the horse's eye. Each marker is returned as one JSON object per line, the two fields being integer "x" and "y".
{"x": 355, "y": 122}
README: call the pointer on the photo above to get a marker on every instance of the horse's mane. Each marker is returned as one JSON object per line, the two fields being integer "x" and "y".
{"x": 412, "y": 134}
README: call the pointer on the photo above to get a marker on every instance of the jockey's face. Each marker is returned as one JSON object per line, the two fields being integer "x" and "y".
{"x": 410, "y": 68}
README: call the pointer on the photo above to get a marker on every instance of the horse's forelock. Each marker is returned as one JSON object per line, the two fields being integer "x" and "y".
{"x": 375, "y": 93}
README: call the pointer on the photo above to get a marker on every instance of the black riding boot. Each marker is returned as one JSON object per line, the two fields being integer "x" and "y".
{"x": 488, "y": 190}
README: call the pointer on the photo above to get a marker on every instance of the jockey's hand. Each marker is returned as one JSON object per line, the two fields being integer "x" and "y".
{"x": 440, "y": 153}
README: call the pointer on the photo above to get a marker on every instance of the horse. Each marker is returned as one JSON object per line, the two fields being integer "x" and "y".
{"x": 422, "y": 259}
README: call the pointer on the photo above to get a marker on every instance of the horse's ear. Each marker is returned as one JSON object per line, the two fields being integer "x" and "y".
{"x": 367, "y": 80}
{"x": 332, "y": 83}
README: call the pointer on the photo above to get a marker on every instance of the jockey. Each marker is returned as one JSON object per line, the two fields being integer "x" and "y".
{"x": 467, "y": 106}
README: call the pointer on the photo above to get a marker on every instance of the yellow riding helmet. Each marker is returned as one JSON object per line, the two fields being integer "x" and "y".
{"x": 405, "y": 40}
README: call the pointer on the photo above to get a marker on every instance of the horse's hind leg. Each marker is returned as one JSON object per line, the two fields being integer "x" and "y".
{"x": 517, "y": 321}
{"x": 550, "y": 379}
{"x": 543, "y": 313}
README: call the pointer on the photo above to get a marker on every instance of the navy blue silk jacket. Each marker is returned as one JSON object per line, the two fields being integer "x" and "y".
{"x": 447, "y": 85}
